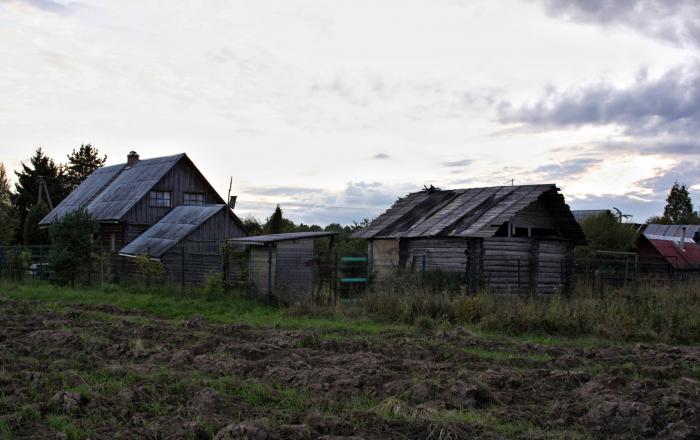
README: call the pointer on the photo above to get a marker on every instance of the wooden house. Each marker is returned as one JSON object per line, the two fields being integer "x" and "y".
{"x": 282, "y": 266}
{"x": 507, "y": 238}
{"x": 151, "y": 206}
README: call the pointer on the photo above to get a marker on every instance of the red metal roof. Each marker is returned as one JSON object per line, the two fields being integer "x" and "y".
{"x": 686, "y": 258}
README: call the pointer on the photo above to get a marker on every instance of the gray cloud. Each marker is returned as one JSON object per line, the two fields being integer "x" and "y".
{"x": 457, "y": 163}
{"x": 381, "y": 156}
{"x": 674, "y": 21}
{"x": 569, "y": 168}
{"x": 669, "y": 104}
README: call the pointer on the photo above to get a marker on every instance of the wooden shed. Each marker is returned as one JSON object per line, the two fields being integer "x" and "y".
{"x": 282, "y": 265}
{"x": 514, "y": 239}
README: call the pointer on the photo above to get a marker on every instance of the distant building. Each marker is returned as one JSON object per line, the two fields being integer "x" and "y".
{"x": 152, "y": 207}
{"x": 675, "y": 244}
{"x": 582, "y": 214}
{"x": 507, "y": 238}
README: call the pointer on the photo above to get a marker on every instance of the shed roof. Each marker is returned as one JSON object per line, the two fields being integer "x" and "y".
{"x": 671, "y": 230}
{"x": 686, "y": 258}
{"x": 274, "y": 238}
{"x": 470, "y": 212}
{"x": 109, "y": 192}
{"x": 173, "y": 228}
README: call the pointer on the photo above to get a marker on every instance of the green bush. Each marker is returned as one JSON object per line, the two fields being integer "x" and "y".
{"x": 151, "y": 271}
{"x": 213, "y": 285}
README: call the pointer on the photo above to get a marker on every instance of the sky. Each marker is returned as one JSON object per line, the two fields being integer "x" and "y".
{"x": 333, "y": 109}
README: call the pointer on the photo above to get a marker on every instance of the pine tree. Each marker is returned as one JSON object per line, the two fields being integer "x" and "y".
{"x": 275, "y": 223}
{"x": 679, "y": 206}
{"x": 27, "y": 189}
{"x": 7, "y": 217}
{"x": 82, "y": 163}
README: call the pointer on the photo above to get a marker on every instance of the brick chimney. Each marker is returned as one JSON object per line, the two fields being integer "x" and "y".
{"x": 132, "y": 158}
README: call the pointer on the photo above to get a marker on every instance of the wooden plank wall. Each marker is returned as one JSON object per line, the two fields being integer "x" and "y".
{"x": 385, "y": 257}
{"x": 179, "y": 180}
{"x": 258, "y": 270}
{"x": 295, "y": 271}
{"x": 500, "y": 259}
{"x": 445, "y": 254}
{"x": 554, "y": 265}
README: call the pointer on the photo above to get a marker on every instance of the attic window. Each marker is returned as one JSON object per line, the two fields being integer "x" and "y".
{"x": 160, "y": 199}
{"x": 194, "y": 198}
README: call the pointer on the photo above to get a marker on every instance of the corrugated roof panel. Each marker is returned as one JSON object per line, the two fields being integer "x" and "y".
{"x": 686, "y": 258}
{"x": 84, "y": 193}
{"x": 173, "y": 228}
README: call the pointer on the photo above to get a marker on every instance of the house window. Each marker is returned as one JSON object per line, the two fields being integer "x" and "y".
{"x": 194, "y": 199}
{"x": 160, "y": 199}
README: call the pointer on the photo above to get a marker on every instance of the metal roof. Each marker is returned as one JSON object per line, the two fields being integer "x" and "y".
{"x": 470, "y": 212}
{"x": 274, "y": 238}
{"x": 173, "y": 228}
{"x": 671, "y": 230}
{"x": 686, "y": 258}
{"x": 110, "y": 192}
{"x": 582, "y": 214}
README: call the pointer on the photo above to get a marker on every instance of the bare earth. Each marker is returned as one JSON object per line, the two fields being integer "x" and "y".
{"x": 101, "y": 372}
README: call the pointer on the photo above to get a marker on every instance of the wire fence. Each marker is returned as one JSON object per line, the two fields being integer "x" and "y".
{"x": 345, "y": 276}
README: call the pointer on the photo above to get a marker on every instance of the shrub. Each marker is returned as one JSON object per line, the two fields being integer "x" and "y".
{"x": 151, "y": 271}
{"x": 213, "y": 285}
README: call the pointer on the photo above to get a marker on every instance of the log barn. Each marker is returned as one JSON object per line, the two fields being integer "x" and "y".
{"x": 514, "y": 239}
{"x": 156, "y": 207}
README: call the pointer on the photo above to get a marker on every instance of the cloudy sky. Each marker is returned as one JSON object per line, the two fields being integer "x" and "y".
{"x": 333, "y": 108}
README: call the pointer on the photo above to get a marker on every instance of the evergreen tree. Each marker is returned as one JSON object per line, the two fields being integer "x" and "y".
{"x": 679, "y": 206}
{"x": 72, "y": 240}
{"x": 7, "y": 217}
{"x": 277, "y": 224}
{"x": 27, "y": 188}
{"x": 82, "y": 163}
{"x": 32, "y": 234}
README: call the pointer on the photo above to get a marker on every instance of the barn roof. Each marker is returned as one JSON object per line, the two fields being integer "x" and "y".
{"x": 173, "y": 228}
{"x": 686, "y": 258}
{"x": 274, "y": 238}
{"x": 110, "y": 192}
{"x": 470, "y": 212}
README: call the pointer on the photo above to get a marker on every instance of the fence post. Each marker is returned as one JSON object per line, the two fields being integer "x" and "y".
{"x": 422, "y": 273}
{"x": 182, "y": 273}
{"x": 518, "y": 268}
{"x": 335, "y": 279}
{"x": 269, "y": 268}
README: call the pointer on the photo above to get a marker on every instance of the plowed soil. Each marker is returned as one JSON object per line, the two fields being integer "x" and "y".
{"x": 101, "y": 372}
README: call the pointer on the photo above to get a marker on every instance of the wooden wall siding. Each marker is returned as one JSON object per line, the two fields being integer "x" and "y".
{"x": 554, "y": 265}
{"x": 445, "y": 254}
{"x": 295, "y": 271}
{"x": 133, "y": 231}
{"x": 179, "y": 180}
{"x": 219, "y": 227}
{"x": 105, "y": 236}
{"x": 258, "y": 270}
{"x": 385, "y": 257}
{"x": 534, "y": 216}
{"x": 523, "y": 265}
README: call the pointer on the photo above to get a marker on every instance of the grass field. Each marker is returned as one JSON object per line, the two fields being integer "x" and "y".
{"x": 129, "y": 363}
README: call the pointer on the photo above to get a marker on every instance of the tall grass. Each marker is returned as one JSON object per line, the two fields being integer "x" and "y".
{"x": 642, "y": 313}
